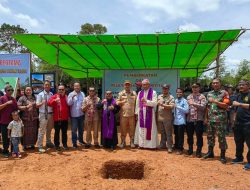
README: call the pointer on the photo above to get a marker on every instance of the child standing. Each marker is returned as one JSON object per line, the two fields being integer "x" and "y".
{"x": 15, "y": 132}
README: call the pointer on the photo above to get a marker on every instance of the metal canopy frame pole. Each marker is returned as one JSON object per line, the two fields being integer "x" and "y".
{"x": 197, "y": 74}
{"x": 87, "y": 86}
{"x": 217, "y": 72}
{"x": 57, "y": 65}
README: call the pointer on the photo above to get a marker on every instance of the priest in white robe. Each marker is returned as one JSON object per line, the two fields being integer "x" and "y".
{"x": 146, "y": 134}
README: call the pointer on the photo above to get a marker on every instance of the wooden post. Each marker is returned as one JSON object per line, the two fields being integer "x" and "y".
{"x": 217, "y": 72}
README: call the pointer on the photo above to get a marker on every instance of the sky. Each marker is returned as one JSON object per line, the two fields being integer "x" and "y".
{"x": 134, "y": 17}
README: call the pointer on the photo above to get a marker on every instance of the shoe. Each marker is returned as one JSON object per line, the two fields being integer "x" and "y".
{"x": 132, "y": 145}
{"x": 50, "y": 145}
{"x": 74, "y": 145}
{"x": 19, "y": 155}
{"x": 25, "y": 148}
{"x": 198, "y": 154}
{"x": 112, "y": 148}
{"x": 223, "y": 157}
{"x": 41, "y": 150}
{"x": 247, "y": 166}
{"x": 179, "y": 152}
{"x": 87, "y": 145}
{"x": 170, "y": 150}
{"x": 58, "y": 148}
{"x": 122, "y": 145}
{"x": 82, "y": 143}
{"x": 210, "y": 153}
{"x": 162, "y": 147}
{"x": 190, "y": 152}
{"x": 6, "y": 155}
{"x": 66, "y": 147}
{"x": 97, "y": 146}
{"x": 32, "y": 147}
{"x": 237, "y": 161}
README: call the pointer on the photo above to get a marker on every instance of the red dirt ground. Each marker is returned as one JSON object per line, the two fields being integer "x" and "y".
{"x": 80, "y": 169}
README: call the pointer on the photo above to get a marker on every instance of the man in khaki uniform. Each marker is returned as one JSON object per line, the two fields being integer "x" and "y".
{"x": 126, "y": 99}
{"x": 165, "y": 117}
{"x": 91, "y": 117}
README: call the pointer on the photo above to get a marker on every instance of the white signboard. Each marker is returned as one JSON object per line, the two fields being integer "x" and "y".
{"x": 114, "y": 79}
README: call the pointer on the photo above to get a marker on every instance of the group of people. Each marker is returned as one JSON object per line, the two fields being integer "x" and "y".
{"x": 141, "y": 115}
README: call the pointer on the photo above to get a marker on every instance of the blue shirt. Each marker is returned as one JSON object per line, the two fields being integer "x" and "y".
{"x": 76, "y": 104}
{"x": 180, "y": 111}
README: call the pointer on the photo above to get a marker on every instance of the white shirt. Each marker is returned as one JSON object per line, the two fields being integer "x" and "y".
{"x": 40, "y": 97}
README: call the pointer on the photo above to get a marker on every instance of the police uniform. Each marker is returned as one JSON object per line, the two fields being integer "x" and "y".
{"x": 127, "y": 113}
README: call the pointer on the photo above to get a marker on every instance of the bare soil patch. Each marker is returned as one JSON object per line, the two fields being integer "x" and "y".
{"x": 80, "y": 169}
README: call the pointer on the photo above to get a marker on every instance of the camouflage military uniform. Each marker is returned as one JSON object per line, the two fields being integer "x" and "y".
{"x": 217, "y": 119}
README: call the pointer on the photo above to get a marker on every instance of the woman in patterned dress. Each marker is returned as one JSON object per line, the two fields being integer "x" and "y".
{"x": 29, "y": 116}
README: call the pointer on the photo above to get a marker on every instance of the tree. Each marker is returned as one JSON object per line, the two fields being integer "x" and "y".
{"x": 7, "y": 42}
{"x": 88, "y": 28}
{"x": 222, "y": 68}
{"x": 243, "y": 70}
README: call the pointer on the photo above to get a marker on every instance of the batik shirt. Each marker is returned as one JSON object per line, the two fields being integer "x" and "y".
{"x": 16, "y": 128}
{"x": 196, "y": 111}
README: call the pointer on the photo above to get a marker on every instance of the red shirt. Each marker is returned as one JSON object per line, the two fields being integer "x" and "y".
{"x": 61, "y": 110}
{"x": 5, "y": 113}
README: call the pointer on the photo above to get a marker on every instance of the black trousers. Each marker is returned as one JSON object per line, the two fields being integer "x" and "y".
{"x": 179, "y": 136}
{"x": 198, "y": 128}
{"x": 6, "y": 140}
{"x": 63, "y": 126}
{"x": 241, "y": 135}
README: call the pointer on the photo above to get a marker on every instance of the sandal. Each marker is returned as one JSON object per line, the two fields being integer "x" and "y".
{"x": 19, "y": 155}
{"x": 14, "y": 155}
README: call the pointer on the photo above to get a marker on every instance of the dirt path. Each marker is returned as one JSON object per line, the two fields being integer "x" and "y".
{"x": 80, "y": 169}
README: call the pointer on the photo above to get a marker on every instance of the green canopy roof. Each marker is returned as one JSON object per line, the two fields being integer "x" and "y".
{"x": 88, "y": 55}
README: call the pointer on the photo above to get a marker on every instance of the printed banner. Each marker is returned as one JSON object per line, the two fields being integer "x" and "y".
{"x": 16, "y": 65}
{"x": 114, "y": 79}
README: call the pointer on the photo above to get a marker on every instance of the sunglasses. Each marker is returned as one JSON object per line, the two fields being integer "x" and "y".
{"x": 61, "y": 89}
{"x": 10, "y": 90}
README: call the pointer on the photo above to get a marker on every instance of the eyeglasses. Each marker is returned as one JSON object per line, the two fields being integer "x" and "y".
{"x": 10, "y": 90}
{"x": 61, "y": 89}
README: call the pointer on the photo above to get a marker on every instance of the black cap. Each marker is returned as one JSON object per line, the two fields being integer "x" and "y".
{"x": 196, "y": 84}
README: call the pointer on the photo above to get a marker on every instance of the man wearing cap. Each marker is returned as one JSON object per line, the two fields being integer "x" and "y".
{"x": 197, "y": 105}
{"x": 126, "y": 100}
{"x": 165, "y": 117}
{"x": 146, "y": 134}
{"x": 242, "y": 123}
{"x": 215, "y": 117}
{"x": 91, "y": 117}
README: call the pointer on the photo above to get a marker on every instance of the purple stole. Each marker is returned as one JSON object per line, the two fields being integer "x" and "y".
{"x": 149, "y": 113}
{"x": 108, "y": 123}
